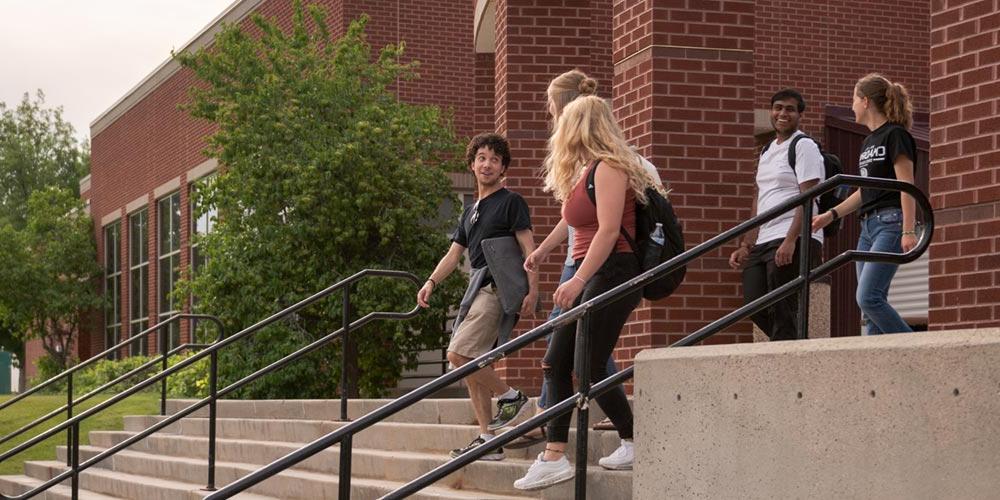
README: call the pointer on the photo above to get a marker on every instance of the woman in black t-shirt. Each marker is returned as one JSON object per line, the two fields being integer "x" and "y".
{"x": 888, "y": 219}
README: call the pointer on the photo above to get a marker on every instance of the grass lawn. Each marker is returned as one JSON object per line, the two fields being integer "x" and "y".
{"x": 30, "y": 408}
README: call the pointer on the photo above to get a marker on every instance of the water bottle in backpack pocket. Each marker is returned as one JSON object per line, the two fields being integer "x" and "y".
{"x": 658, "y": 238}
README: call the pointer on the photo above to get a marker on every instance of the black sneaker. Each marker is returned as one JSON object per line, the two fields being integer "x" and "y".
{"x": 507, "y": 410}
{"x": 494, "y": 455}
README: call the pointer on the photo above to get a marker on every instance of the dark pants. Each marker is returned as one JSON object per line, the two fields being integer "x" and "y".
{"x": 761, "y": 275}
{"x": 605, "y": 327}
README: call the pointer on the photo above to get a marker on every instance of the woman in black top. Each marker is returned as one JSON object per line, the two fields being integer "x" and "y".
{"x": 888, "y": 219}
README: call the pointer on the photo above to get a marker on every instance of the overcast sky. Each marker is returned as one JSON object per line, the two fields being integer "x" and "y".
{"x": 85, "y": 55}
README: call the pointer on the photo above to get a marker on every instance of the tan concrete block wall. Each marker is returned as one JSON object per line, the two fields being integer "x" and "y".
{"x": 899, "y": 416}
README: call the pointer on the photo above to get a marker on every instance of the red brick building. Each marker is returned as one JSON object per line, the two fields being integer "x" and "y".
{"x": 689, "y": 81}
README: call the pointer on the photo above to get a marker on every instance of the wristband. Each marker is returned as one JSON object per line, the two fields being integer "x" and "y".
{"x": 834, "y": 212}
{"x": 914, "y": 233}
{"x": 577, "y": 276}
{"x": 433, "y": 283}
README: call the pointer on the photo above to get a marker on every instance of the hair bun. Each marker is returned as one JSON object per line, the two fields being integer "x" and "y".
{"x": 587, "y": 86}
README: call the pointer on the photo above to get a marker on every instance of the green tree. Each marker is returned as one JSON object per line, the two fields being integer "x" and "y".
{"x": 38, "y": 149}
{"x": 50, "y": 272}
{"x": 324, "y": 173}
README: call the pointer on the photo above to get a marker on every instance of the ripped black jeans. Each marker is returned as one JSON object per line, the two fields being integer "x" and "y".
{"x": 605, "y": 327}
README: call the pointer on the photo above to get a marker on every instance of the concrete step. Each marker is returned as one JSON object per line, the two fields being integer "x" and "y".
{"x": 288, "y": 484}
{"x": 386, "y": 436}
{"x": 390, "y": 465}
{"x": 428, "y": 411}
{"x": 17, "y": 485}
{"x": 132, "y": 486}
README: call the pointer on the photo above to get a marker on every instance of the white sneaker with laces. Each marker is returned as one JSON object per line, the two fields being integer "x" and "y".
{"x": 621, "y": 459}
{"x": 543, "y": 474}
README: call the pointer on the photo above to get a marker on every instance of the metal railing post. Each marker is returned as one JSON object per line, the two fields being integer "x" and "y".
{"x": 164, "y": 331}
{"x": 344, "y": 469}
{"x": 213, "y": 369}
{"x": 805, "y": 255}
{"x": 74, "y": 461}
{"x": 582, "y": 363}
{"x": 69, "y": 414}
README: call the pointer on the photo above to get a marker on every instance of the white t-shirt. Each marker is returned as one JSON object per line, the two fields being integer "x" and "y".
{"x": 777, "y": 183}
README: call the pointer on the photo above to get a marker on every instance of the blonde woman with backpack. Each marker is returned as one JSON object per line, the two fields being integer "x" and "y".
{"x": 586, "y": 137}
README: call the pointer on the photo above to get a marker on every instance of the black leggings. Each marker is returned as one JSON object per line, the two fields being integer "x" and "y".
{"x": 605, "y": 327}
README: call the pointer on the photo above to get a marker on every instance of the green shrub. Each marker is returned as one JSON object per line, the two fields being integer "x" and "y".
{"x": 190, "y": 382}
{"x": 48, "y": 367}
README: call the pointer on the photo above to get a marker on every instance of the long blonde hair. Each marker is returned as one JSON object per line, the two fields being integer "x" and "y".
{"x": 586, "y": 131}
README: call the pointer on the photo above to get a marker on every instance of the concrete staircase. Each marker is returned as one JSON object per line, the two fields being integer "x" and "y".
{"x": 172, "y": 463}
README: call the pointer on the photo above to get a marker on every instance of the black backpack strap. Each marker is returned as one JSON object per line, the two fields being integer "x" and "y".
{"x": 592, "y": 194}
{"x": 791, "y": 148}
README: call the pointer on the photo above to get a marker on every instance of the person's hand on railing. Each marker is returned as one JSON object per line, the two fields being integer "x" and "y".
{"x": 909, "y": 241}
{"x": 822, "y": 220}
{"x": 424, "y": 294}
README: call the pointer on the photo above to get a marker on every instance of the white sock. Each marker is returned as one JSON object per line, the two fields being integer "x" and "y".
{"x": 487, "y": 437}
{"x": 510, "y": 394}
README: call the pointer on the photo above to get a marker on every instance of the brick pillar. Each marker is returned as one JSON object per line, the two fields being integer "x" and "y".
{"x": 683, "y": 92}
{"x": 965, "y": 164}
{"x": 485, "y": 93}
{"x": 533, "y": 45}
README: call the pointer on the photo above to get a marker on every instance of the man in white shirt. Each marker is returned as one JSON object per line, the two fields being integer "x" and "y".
{"x": 771, "y": 258}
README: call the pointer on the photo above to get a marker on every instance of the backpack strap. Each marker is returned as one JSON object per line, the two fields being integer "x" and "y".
{"x": 791, "y": 148}
{"x": 592, "y": 194}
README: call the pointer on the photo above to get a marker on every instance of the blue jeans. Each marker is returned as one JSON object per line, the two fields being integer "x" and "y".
{"x": 543, "y": 399}
{"x": 881, "y": 231}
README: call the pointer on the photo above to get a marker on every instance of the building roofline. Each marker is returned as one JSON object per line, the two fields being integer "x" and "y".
{"x": 236, "y": 12}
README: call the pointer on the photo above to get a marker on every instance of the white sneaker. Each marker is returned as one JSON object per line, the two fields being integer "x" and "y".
{"x": 621, "y": 459}
{"x": 543, "y": 474}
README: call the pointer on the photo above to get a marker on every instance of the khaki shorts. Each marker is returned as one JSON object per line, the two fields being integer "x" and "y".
{"x": 477, "y": 333}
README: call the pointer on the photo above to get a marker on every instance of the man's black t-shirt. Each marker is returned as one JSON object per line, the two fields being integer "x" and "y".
{"x": 878, "y": 159}
{"x": 500, "y": 214}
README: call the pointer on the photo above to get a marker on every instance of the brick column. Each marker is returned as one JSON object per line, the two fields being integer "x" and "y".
{"x": 533, "y": 45}
{"x": 683, "y": 91}
{"x": 965, "y": 164}
{"x": 485, "y": 93}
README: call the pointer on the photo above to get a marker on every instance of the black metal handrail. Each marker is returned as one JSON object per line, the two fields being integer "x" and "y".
{"x": 97, "y": 357}
{"x": 68, "y": 374}
{"x": 581, "y": 312}
{"x": 73, "y": 424}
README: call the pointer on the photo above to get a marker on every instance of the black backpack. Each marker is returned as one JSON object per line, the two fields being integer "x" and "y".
{"x": 650, "y": 253}
{"x": 831, "y": 167}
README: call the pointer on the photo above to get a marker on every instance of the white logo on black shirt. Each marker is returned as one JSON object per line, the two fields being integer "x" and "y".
{"x": 871, "y": 154}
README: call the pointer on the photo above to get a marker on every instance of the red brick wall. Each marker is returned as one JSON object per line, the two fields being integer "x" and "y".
{"x": 485, "y": 93}
{"x": 965, "y": 164}
{"x": 534, "y": 43}
{"x": 684, "y": 93}
{"x": 821, "y": 48}
{"x": 440, "y": 36}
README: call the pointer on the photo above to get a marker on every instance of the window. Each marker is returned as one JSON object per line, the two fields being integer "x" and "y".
{"x": 138, "y": 252}
{"x": 112, "y": 286}
{"x": 169, "y": 262}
